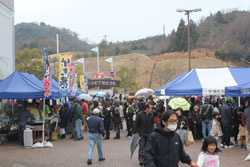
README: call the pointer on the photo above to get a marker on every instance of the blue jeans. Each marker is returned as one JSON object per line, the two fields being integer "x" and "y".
{"x": 95, "y": 138}
{"x": 117, "y": 129}
{"x": 78, "y": 126}
{"x": 206, "y": 125}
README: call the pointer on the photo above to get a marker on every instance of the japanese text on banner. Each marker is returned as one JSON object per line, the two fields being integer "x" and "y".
{"x": 72, "y": 75}
{"x": 64, "y": 73}
{"x": 83, "y": 84}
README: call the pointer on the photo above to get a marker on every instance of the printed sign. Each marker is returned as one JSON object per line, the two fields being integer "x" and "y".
{"x": 64, "y": 73}
{"x": 99, "y": 75}
{"x": 83, "y": 84}
{"x": 47, "y": 75}
{"x": 72, "y": 76}
{"x": 109, "y": 83}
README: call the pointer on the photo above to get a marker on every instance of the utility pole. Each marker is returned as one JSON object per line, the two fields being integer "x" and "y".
{"x": 57, "y": 51}
{"x": 164, "y": 35}
{"x": 187, "y": 12}
{"x": 105, "y": 37}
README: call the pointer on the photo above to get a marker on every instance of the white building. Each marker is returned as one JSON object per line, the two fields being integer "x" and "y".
{"x": 7, "y": 38}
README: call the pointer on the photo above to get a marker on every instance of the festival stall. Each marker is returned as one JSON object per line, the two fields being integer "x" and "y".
{"x": 208, "y": 81}
{"x": 242, "y": 90}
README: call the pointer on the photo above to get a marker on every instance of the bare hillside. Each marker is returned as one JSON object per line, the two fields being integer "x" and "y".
{"x": 167, "y": 66}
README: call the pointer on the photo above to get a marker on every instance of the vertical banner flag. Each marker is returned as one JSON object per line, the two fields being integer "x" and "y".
{"x": 86, "y": 84}
{"x": 47, "y": 75}
{"x": 72, "y": 75}
{"x": 64, "y": 73}
{"x": 83, "y": 84}
{"x": 75, "y": 83}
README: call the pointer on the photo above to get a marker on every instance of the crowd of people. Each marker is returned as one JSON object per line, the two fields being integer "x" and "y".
{"x": 209, "y": 119}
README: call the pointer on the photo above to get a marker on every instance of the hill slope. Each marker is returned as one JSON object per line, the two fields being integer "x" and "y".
{"x": 40, "y": 36}
{"x": 167, "y": 66}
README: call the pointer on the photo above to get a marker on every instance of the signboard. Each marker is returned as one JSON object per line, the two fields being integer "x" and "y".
{"x": 47, "y": 75}
{"x": 83, "y": 84}
{"x": 64, "y": 73}
{"x": 109, "y": 83}
{"x": 72, "y": 76}
{"x": 99, "y": 75}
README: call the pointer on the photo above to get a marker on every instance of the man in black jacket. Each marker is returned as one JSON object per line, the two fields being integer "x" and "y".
{"x": 227, "y": 123}
{"x": 144, "y": 125}
{"x": 164, "y": 147}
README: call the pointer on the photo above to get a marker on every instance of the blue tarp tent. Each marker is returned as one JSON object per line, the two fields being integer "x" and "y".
{"x": 239, "y": 90}
{"x": 209, "y": 81}
{"x": 18, "y": 86}
{"x": 161, "y": 91}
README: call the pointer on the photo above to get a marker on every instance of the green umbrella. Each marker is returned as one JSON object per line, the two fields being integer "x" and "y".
{"x": 179, "y": 102}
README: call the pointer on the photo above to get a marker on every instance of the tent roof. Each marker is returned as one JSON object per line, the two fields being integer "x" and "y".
{"x": 239, "y": 90}
{"x": 208, "y": 81}
{"x": 19, "y": 86}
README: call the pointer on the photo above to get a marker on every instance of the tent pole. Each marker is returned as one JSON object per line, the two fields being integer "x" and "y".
{"x": 238, "y": 101}
{"x": 43, "y": 118}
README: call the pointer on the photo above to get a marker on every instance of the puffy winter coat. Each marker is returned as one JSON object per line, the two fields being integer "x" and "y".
{"x": 164, "y": 149}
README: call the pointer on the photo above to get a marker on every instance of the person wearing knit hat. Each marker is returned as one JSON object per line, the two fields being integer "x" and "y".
{"x": 96, "y": 133}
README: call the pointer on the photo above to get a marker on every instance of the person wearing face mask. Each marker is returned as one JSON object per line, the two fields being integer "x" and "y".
{"x": 164, "y": 147}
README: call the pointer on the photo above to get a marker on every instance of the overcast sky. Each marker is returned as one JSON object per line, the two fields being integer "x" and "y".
{"x": 118, "y": 19}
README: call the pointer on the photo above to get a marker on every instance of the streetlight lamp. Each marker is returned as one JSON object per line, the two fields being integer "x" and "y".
{"x": 187, "y": 12}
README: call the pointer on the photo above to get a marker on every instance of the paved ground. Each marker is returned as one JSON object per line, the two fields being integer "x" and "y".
{"x": 69, "y": 153}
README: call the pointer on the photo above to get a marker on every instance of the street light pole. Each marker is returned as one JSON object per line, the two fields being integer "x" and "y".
{"x": 187, "y": 12}
{"x": 189, "y": 54}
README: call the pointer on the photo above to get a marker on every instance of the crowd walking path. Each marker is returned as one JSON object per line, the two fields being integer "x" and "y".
{"x": 70, "y": 153}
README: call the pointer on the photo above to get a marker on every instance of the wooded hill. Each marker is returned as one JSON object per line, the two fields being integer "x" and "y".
{"x": 226, "y": 33}
{"x": 40, "y": 36}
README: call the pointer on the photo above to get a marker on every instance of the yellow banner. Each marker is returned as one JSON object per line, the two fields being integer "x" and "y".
{"x": 82, "y": 85}
{"x": 64, "y": 72}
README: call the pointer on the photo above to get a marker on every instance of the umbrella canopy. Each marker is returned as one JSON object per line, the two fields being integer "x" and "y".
{"x": 179, "y": 102}
{"x": 144, "y": 92}
{"x": 134, "y": 140}
{"x": 86, "y": 97}
{"x": 100, "y": 94}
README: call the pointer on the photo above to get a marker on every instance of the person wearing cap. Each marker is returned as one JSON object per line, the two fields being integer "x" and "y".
{"x": 226, "y": 122}
{"x": 96, "y": 133}
{"x": 247, "y": 124}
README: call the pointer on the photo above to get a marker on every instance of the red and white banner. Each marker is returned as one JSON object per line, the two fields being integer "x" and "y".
{"x": 99, "y": 75}
{"x": 47, "y": 75}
